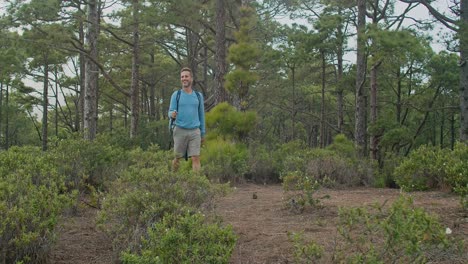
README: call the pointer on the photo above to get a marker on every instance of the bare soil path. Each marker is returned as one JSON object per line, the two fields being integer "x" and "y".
{"x": 262, "y": 224}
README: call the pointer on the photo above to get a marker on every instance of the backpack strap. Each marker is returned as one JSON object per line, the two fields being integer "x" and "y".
{"x": 177, "y": 100}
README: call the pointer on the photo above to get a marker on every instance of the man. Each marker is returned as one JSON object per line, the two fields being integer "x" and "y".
{"x": 188, "y": 112}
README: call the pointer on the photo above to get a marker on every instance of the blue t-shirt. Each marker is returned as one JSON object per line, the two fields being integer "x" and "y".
{"x": 191, "y": 113}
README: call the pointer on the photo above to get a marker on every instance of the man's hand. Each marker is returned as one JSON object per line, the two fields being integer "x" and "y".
{"x": 174, "y": 114}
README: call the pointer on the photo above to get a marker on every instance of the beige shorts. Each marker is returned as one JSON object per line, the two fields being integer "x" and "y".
{"x": 186, "y": 141}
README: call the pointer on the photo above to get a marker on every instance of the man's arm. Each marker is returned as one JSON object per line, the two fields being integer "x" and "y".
{"x": 201, "y": 114}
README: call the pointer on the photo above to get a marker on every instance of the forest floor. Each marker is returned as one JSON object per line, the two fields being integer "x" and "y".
{"x": 262, "y": 224}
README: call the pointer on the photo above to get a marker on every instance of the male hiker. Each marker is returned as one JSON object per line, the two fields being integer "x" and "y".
{"x": 187, "y": 114}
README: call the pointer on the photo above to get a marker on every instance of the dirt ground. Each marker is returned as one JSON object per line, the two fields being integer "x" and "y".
{"x": 262, "y": 224}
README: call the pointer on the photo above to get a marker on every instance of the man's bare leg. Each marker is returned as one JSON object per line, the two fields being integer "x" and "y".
{"x": 175, "y": 164}
{"x": 196, "y": 163}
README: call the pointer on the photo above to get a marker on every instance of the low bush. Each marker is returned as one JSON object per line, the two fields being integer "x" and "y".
{"x": 403, "y": 234}
{"x": 184, "y": 239}
{"x": 145, "y": 192}
{"x": 431, "y": 167}
{"x": 399, "y": 234}
{"x": 32, "y": 197}
{"x": 225, "y": 161}
{"x": 87, "y": 163}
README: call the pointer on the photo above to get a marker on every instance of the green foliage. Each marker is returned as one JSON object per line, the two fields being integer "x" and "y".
{"x": 343, "y": 146}
{"x": 431, "y": 167}
{"x": 224, "y": 160}
{"x": 32, "y": 198}
{"x": 226, "y": 122}
{"x": 185, "y": 239}
{"x": 305, "y": 252}
{"x": 260, "y": 164}
{"x": 335, "y": 165}
{"x": 300, "y": 190}
{"x": 243, "y": 55}
{"x": 145, "y": 192}
{"x": 84, "y": 162}
{"x": 403, "y": 234}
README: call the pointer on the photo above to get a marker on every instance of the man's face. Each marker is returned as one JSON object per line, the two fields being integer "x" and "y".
{"x": 186, "y": 79}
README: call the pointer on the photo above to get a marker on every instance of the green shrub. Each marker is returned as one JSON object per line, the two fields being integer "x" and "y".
{"x": 185, "y": 239}
{"x": 335, "y": 165}
{"x": 299, "y": 191}
{"x": 431, "y": 167}
{"x": 87, "y": 163}
{"x": 31, "y": 200}
{"x": 224, "y": 161}
{"x": 305, "y": 252}
{"x": 403, "y": 234}
{"x": 423, "y": 169}
{"x": 261, "y": 166}
{"x": 145, "y": 192}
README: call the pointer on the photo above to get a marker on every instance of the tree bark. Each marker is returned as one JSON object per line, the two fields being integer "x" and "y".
{"x": 463, "y": 35}
{"x": 360, "y": 122}
{"x": 374, "y": 139}
{"x": 220, "y": 53}
{"x": 135, "y": 89}
{"x": 7, "y": 118}
{"x": 92, "y": 73}
{"x": 45, "y": 103}
{"x": 322, "y": 104}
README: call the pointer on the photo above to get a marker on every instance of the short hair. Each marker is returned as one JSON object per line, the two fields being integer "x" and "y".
{"x": 186, "y": 69}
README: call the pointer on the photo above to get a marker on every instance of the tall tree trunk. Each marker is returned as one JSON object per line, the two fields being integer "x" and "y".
{"x": 56, "y": 101}
{"x": 398, "y": 94}
{"x": 193, "y": 41}
{"x": 1, "y": 112}
{"x": 92, "y": 73}
{"x": 152, "y": 89}
{"x": 360, "y": 125}
{"x": 374, "y": 138}
{"x": 463, "y": 36}
{"x": 45, "y": 103}
{"x": 7, "y": 117}
{"x": 293, "y": 107}
{"x": 220, "y": 53}
{"x": 135, "y": 89}
{"x": 322, "y": 104}
{"x": 79, "y": 111}
{"x": 339, "y": 94}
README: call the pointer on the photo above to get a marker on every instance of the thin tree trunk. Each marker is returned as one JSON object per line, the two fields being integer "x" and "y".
{"x": 1, "y": 107}
{"x": 45, "y": 103}
{"x": 360, "y": 125}
{"x": 135, "y": 89}
{"x": 322, "y": 104}
{"x": 463, "y": 36}
{"x": 442, "y": 128}
{"x": 79, "y": 121}
{"x": 152, "y": 90}
{"x": 220, "y": 53}
{"x": 92, "y": 73}
{"x": 7, "y": 118}
{"x": 293, "y": 107}
{"x": 56, "y": 101}
{"x": 339, "y": 94}
{"x": 374, "y": 138}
